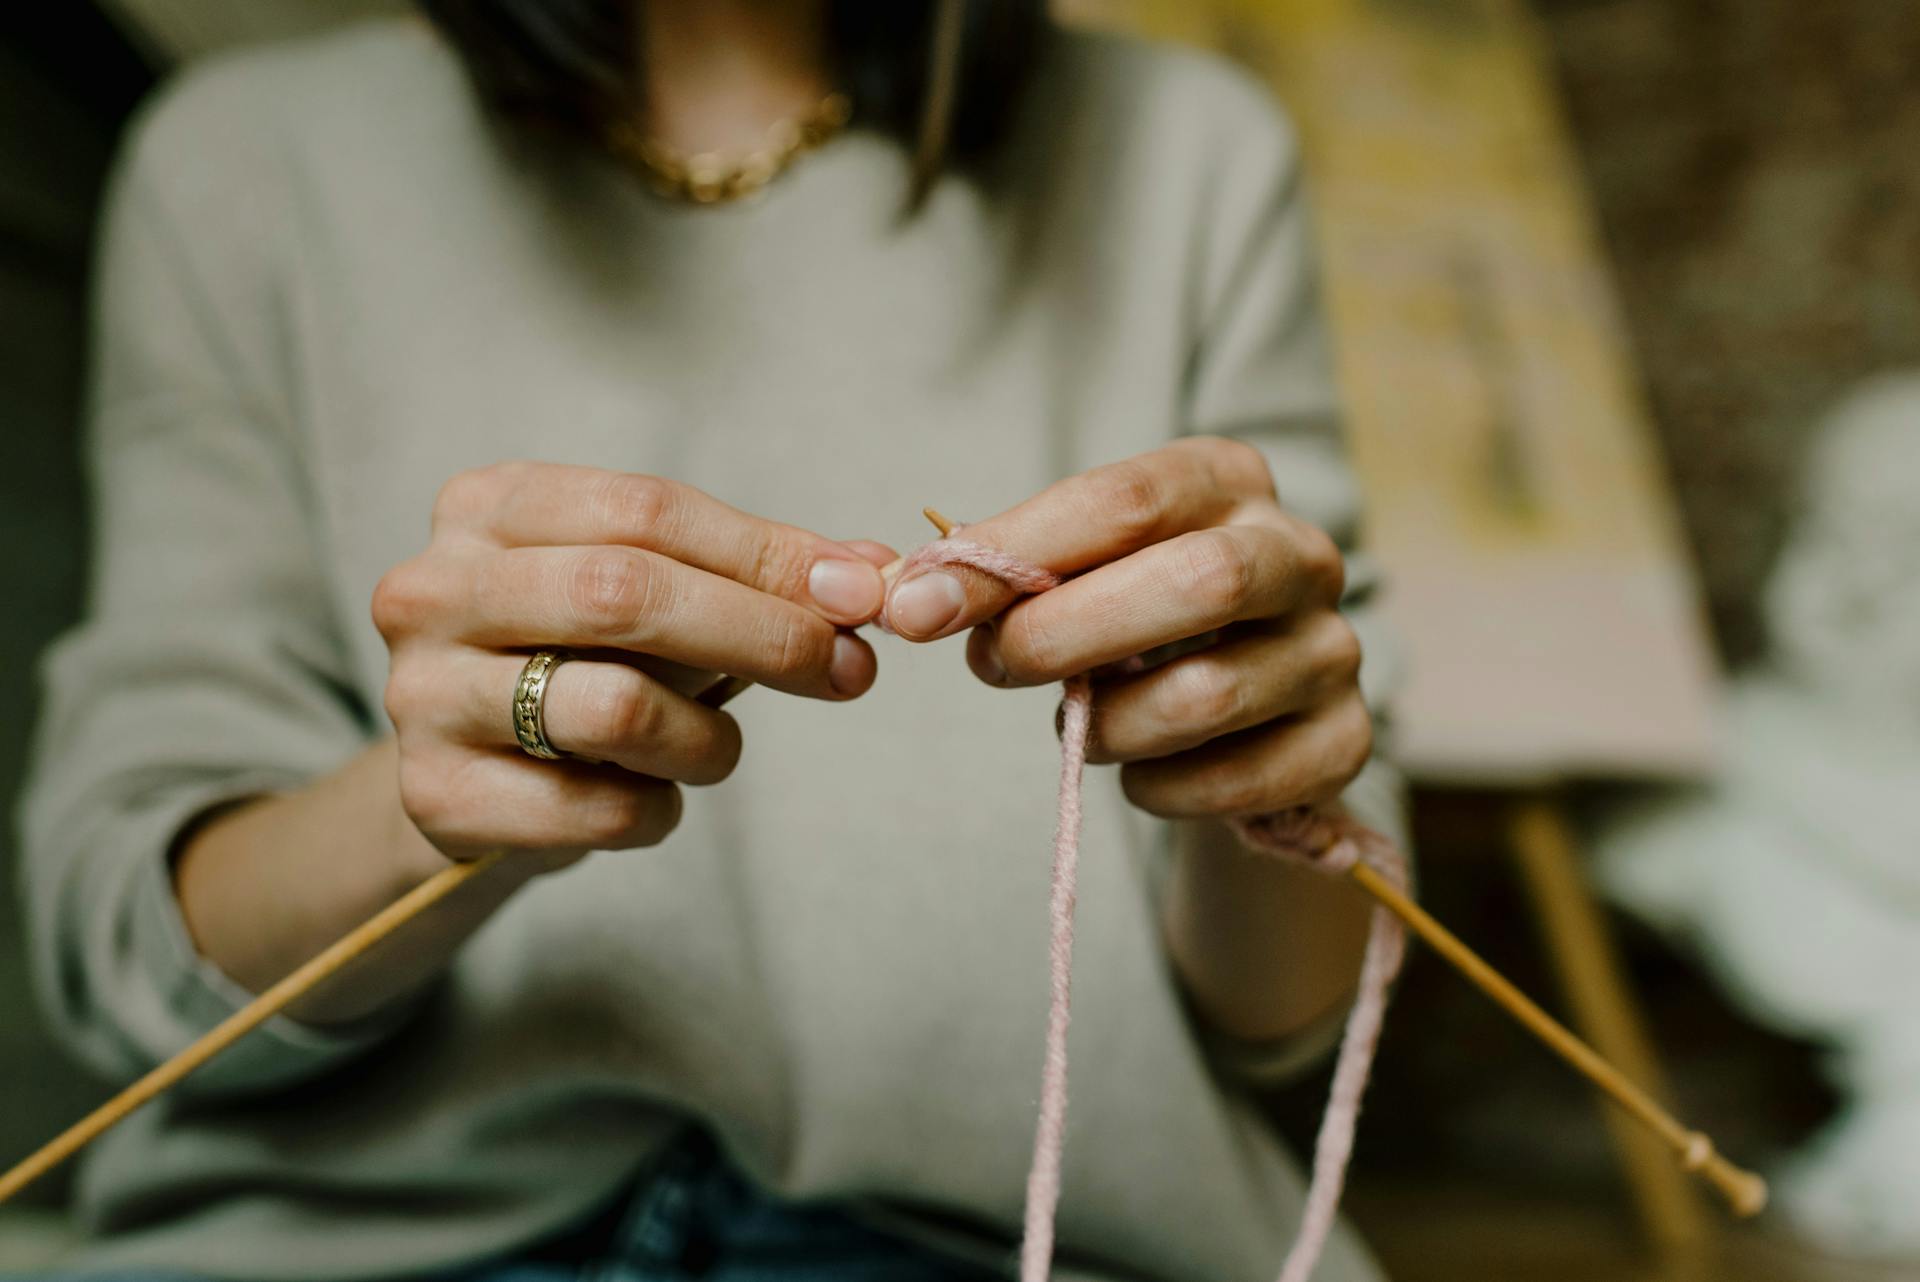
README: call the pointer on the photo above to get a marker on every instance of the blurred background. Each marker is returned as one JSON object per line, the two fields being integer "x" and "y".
{"x": 1628, "y": 302}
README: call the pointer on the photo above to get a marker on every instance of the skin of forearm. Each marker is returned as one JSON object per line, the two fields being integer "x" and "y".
{"x": 266, "y": 884}
{"x": 1265, "y": 948}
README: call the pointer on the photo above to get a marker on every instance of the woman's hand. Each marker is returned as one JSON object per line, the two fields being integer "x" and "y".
{"x": 1225, "y": 678}
{"x": 657, "y": 588}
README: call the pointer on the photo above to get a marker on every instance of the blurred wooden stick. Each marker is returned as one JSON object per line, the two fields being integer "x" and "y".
{"x": 1600, "y": 1004}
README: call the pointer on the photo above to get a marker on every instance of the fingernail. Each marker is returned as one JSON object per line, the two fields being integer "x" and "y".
{"x": 921, "y": 607}
{"x": 846, "y": 589}
{"x": 847, "y": 673}
{"x": 994, "y": 671}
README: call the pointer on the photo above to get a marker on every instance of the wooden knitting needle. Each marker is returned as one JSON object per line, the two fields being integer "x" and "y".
{"x": 329, "y": 962}
{"x": 1745, "y": 1192}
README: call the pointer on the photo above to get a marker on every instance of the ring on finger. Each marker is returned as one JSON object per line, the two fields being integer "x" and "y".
{"x": 529, "y": 704}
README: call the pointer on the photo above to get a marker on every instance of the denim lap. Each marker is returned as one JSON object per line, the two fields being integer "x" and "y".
{"x": 698, "y": 1219}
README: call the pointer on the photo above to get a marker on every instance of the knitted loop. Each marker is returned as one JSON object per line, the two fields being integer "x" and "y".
{"x": 1325, "y": 839}
{"x": 1008, "y": 568}
{"x": 1303, "y": 836}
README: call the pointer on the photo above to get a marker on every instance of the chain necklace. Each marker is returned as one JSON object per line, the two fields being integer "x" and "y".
{"x": 711, "y": 178}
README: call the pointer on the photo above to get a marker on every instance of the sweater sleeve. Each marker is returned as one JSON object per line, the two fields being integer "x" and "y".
{"x": 1261, "y": 370}
{"x": 207, "y": 666}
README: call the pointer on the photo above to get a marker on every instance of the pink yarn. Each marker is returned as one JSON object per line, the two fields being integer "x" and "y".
{"x": 1332, "y": 843}
{"x": 1050, "y": 1132}
{"x": 1325, "y": 839}
{"x": 954, "y": 550}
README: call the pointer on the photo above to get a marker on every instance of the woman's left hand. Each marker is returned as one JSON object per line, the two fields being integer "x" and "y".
{"x": 1183, "y": 551}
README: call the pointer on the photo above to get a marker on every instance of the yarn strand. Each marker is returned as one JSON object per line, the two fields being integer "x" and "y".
{"x": 1326, "y": 840}
{"x": 1332, "y": 843}
{"x": 1050, "y": 1134}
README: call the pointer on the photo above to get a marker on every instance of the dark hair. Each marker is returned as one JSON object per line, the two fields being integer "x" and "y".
{"x": 942, "y": 76}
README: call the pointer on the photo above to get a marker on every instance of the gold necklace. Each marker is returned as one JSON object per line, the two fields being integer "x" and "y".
{"x": 711, "y": 178}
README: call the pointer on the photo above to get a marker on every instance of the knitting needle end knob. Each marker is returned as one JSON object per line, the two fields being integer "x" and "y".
{"x": 1746, "y": 1193}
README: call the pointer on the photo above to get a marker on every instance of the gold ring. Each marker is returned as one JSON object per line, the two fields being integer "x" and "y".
{"x": 529, "y": 704}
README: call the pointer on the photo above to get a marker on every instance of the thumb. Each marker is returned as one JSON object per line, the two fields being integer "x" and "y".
{"x": 926, "y": 603}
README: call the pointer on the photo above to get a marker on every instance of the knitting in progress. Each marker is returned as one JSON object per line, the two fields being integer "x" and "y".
{"x": 1320, "y": 838}
{"x": 1324, "y": 840}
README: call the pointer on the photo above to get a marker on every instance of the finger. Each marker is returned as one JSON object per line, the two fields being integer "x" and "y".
{"x": 1081, "y": 521}
{"x": 875, "y": 554}
{"x": 1189, "y": 584}
{"x": 714, "y": 689}
{"x": 1242, "y": 683}
{"x": 610, "y": 712}
{"x": 482, "y": 801}
{"x": 1147, "y": 660}
{"x": 630, "y": 599}
{"x": 553, "y": 504}
{"x": 984, "y": 658}
{"x": 678, "y": 677}
{"x": 1297, "y": 762}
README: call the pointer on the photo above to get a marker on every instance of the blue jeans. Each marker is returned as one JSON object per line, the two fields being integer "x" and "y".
{"x": 694, "y": 1218}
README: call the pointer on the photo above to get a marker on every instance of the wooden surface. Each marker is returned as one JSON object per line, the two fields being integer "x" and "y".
{"x": 1514, "y": 489}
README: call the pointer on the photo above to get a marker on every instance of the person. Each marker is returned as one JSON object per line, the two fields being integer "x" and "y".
{"x": 625, "y": 342}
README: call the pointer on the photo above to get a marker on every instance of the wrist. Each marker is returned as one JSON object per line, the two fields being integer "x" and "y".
{"x": 1264, "y": 948}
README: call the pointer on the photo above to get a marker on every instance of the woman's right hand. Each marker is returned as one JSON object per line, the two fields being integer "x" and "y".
{"x": 657, "y": 588}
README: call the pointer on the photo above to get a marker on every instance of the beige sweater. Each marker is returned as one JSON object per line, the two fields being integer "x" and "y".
{"x": 328, "y": 283}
